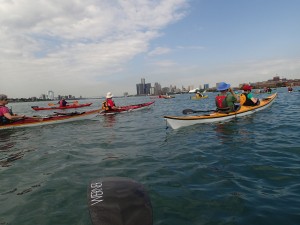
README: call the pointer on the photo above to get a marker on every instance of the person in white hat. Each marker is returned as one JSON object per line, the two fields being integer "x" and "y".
{"x": 109, "y": 104}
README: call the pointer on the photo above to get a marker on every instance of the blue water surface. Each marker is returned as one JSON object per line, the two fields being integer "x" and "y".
{"x": 244, "y": 171}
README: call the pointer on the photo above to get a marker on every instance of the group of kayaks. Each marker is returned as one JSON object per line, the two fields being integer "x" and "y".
{"x": 174, "y": 122}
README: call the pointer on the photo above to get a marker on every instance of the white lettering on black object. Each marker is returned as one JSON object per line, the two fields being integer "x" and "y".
{"x": 96, "y": 193}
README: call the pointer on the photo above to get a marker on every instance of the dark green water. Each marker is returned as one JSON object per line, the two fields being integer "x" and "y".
{"x": 245, "y": 171}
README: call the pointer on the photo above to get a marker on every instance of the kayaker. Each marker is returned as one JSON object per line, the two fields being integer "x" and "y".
{"x": 250, "y": 100}
{"x": 198, "y": 95}
{"x": 109, "y": 104}
{"x": 225, "y": 101}
{"x": 5, "y": 113}
{"x": 63, "y": 102}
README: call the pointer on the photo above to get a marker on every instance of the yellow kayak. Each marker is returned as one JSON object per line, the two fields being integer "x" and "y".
{"x": 198, "y": 98}
{"x": 182, "y": 121}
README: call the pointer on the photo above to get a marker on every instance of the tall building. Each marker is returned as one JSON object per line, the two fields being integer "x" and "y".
{"x": 51, "y": 95}
{"x": 206, "y": 86}
{"x": 143, "y": 88}
{"x": 157, "y": 89}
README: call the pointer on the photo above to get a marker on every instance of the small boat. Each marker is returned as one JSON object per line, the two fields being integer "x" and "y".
{"x": 73, "y": 106}
{"x": 166, "y": 96}
{"x": 182, "y": 121}
{"x": 52, "y": 119}
{"x": 198, "y": 98}
{"x": 128, "y": 108}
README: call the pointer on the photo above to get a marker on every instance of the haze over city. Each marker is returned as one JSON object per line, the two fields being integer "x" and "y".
{"x": 88, "y": 48}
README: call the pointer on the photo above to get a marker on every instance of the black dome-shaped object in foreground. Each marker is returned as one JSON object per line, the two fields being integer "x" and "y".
{"x": 119, "y": 201}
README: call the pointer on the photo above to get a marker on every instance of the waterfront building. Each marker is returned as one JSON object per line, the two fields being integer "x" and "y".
{"x": 51, "y": 95}
{"x": 143, "y": 88}
{"x": 206, "y": 86}
{"x": 157, "y": 89}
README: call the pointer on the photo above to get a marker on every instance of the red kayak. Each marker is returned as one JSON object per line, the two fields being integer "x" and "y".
{"x": 73, "y": 106}
{"x": 51, "y": 119}
{"x": 127, "y": 108}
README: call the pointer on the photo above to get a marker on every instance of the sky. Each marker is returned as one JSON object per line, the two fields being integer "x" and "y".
{"x": 87, "y": 48}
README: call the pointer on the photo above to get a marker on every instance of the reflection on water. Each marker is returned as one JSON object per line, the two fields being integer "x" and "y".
{"x": 9, "y": 150}
{"x": 109, "y": 120}
{"x": 6, "y": 140}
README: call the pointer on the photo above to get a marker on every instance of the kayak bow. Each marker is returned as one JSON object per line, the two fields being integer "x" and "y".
{"x": 182, "y": 121}
{"x": 128, "y": 108}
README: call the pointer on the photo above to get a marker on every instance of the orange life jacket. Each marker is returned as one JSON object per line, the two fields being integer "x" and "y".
{"x": 105, "y": 106}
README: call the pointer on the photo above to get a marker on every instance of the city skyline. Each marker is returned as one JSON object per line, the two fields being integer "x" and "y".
{"x": 88, "y": 49}
{"x": 157, "y": 89}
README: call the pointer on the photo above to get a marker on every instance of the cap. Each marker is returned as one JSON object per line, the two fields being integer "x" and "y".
{"x": 247, "y": 87}
{"x": 3, "y": 97}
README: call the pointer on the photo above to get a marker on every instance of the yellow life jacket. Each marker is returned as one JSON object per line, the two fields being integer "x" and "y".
{"x": 243, "y": 98}
{"x": 105, "y": 106}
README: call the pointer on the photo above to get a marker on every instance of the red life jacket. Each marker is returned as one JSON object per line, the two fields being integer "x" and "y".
{"x": 221, "y": 102}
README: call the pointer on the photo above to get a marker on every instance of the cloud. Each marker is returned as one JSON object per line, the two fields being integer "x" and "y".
{"x": 159, "y": 51}
{"x": 54, "y": 43}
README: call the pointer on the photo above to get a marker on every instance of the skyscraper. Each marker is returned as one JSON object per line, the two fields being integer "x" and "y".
{"x": 206, "y": 86}
{"x": 51, "y": 95}
{"x": 143, "y": 88}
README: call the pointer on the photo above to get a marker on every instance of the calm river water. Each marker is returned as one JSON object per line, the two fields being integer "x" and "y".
{"x": 245, "y": 171}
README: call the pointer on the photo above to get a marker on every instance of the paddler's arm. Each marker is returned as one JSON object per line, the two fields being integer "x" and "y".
{"x": 13, "y": 117}
{"x": 234, "y": 95}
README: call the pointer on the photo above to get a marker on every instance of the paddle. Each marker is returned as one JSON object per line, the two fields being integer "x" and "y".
{"x": 119, "y": 201}
{"x": 190, "y": 111}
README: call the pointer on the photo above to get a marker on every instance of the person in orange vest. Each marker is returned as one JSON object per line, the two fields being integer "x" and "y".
{"x": 109, "y": 104}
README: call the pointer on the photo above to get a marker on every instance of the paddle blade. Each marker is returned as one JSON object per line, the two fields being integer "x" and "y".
{"x": 51, "y": 104}
{"x": 187, "y": 111}
{"x": 119, "y": 201}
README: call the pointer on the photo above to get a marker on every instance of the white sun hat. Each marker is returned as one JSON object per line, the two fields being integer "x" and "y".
{"x": 109, "y": 95}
